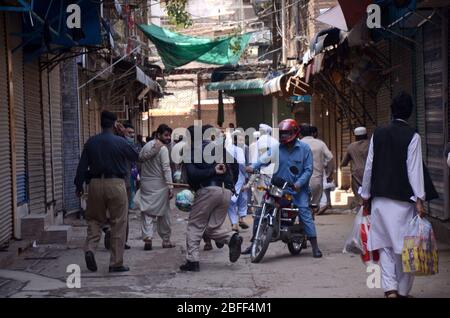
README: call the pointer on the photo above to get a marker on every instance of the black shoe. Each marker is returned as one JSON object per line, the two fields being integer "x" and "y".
{"x": 118, "y": 269}
{"x": 190, "y": 267}
{"x": 127, "y": 247}
{"x": 317, "y": 253}
{"x": 208, "y": 246}
{"x": 247, "y": 251}
{"x": 148, "y": 246}
{"x": 219, "y": 245}
{"x": 90, "y": 261}
{"x": 235, "y": 247}
{"x": 108, "y": 239}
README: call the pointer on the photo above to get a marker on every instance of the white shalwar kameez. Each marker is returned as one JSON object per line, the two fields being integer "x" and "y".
{"x": 390, "y": 219}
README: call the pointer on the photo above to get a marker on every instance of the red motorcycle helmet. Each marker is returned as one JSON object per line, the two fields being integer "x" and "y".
{"x": 289, "y": 130}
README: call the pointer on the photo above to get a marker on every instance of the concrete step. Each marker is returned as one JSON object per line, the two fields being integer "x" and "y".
{"x": 33, "y": 226}
{"x": 39, "y": 228}
{"x": 55, "y": 234}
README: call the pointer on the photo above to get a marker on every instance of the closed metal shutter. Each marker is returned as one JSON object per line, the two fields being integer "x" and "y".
{"x": 35, "y": 158}
{"x": 420, "y": 89}
{"x": 84, "y": 105}
{"x": 435, "y": 113}
{"x": 402, "y": 77}
{"x": 46, "y": 115}
{"x": 14, "y": 26}
{"x": 56, "y": 133}
{"x": 6, "y": 218}
{"x": 384, "y": 94}
{"x": 370, "y": 104}
{"x": 70, "y": 107}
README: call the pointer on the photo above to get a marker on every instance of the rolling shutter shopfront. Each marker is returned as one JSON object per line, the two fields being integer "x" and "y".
{"x": 56, "y": 140}
{"x": 35, "y": 157}
{"x": 14, "y": 22}
{"x": 384, "y": 95}
{"x": 6, "y": 217}
{"x": 435, "y": 114}
{"x": 70, "y": 109}
{"x": 47, "y": 118}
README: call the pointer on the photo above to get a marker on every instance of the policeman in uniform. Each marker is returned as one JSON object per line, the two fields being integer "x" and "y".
{"x": 105, "y": 160}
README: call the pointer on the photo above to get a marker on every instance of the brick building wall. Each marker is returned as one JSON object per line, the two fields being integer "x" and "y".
{"x": 209, "y": 116}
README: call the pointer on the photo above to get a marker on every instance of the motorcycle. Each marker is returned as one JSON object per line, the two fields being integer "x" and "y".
{"x": 277, "y": 221}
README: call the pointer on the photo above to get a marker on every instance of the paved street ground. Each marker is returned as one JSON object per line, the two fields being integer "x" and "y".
{"x": 41, "y": 271}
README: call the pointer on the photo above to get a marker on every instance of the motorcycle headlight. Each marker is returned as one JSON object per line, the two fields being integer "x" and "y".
{"x": 276, "y": 192}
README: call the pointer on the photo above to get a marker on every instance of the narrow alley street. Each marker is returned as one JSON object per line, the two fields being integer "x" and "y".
{"x": 41, "y": 271}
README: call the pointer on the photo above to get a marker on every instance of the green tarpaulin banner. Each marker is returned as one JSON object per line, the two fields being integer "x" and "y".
{"x": 176, "y": 49}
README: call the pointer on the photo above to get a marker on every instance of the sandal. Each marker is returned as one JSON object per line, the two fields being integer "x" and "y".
{"x": 391, "y": 294}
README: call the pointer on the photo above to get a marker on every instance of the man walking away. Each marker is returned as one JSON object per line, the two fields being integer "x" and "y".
{"x": 106, "y": 156}
{"x": 396, "y": 183}
{"x": 213, "y": 183}
{"x": 321, "y": 157}
{"x": 357, "y": 155}
{"x": 154, "y": 196}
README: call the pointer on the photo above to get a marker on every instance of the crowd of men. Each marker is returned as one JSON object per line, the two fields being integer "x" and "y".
{"x": 388, "y": 179}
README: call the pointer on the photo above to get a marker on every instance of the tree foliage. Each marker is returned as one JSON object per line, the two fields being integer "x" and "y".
{"x": 176, "y": 10}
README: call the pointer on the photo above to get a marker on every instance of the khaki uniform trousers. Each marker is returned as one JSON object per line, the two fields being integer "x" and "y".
{"x": 107, "y": 195}
{"x": 207, "y": 216}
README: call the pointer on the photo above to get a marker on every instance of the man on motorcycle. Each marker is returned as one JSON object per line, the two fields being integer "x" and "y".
{"x": 295, "y": 165}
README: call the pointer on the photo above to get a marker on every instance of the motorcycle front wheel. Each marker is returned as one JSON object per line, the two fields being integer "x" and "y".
{"x": 262, "y": 240}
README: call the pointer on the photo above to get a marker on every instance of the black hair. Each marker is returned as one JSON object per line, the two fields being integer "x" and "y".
{"x": 107, "y": 119}
{"x": 314, "y": 130}
{"x": 127, "y": 124}
{"x": 162, "y": 129}
{"x": 148, "y": 138}
{"x": 402, "y": 106}
{"x": 305, "y": 130}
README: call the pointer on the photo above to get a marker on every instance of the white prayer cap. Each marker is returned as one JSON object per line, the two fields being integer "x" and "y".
{"x": 266, "y": 129}
{"x": 236, "y": 132}
{"x": 360, "y": 131}
{"x": 256, "y": 134}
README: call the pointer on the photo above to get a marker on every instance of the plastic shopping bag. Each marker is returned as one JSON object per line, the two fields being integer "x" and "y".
{"x": 419, "y": 254}
{"x": 353, "y": 243}
{"x": 357, "y": 241}
{"x": 367, "y": 256}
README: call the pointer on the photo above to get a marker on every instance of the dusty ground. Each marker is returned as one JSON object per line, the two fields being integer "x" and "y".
{"x": 41, "y": 271}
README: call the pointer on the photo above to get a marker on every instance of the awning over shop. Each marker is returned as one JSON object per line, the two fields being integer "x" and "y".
{"x": 250, "y": 87}
{"x": 15, "y": 5}
{"x": 274, "y": 85}
{"x": 325, "y": 38}
{"x": 150, "y": 84}
{"x": 288, "y": 84}
{"x": 346, "y": 14}
{"x": 45, "y": 28}
{"x": 176, "y": 49}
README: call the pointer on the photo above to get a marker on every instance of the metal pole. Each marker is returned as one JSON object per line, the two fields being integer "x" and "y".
{"x": 199, "y": 98}
{"x": 274, "y": 111}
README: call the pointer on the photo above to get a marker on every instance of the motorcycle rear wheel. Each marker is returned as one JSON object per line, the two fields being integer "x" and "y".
{"x": 261, "y": 243}
{"x": 295, "y": 247}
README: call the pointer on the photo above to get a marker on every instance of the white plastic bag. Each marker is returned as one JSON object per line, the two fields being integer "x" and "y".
{"x": 353, "y": 244}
